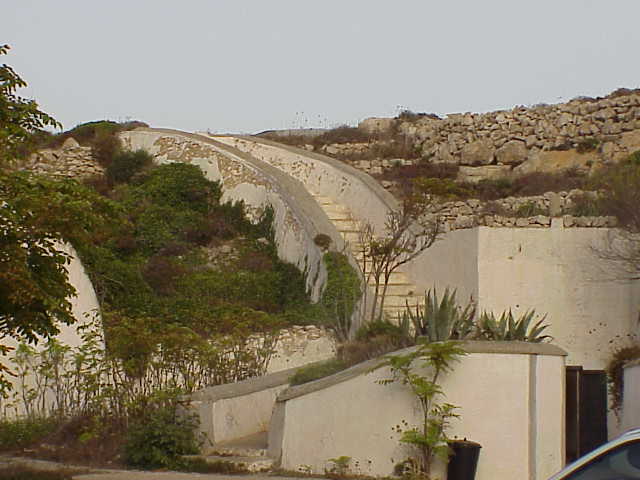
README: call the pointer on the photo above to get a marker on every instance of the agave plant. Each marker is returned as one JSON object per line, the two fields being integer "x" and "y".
{"x": 508, "y": 328}
{"x": 441, "y": 320}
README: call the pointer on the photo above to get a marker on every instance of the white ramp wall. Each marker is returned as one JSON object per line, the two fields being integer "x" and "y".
{"x": 84, "y": 306}
{"x": 511, "y": 399}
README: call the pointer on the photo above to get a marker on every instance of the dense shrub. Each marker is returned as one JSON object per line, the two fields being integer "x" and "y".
{"x": 318, "y": 370}
{"x": 530, "y": 209}
{"x": 615, "y": 373}
{"x": 341, "y": 134}
{"x": 620, "y": 185}
{"x": 341, "y": 293}
{"x": 443, "y": 188}
{"x": 158, "y": 439}
{"x": 19, "y": 433}
{"x": 126, "y": 164}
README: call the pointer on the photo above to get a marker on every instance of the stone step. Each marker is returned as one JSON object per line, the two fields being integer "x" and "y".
{"x": 226, "y": 464}
{"x": 396, "y": 278}
{"x": 402, "y": 300}
{"x": 254, "y": 445}
{"x": 406, "y": 289}
{"x": 345, "y": 223}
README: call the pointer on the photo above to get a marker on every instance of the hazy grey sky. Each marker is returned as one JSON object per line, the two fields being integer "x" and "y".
{"x": 251, "y": 65}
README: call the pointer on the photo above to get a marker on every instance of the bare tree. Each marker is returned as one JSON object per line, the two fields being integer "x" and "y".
{"x": 620, "y": 197}
{"x": 408, "y": 232}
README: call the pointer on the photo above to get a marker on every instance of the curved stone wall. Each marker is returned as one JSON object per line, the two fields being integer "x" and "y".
{"x": 298, "y": 218}
{"x": 364, "y": 196}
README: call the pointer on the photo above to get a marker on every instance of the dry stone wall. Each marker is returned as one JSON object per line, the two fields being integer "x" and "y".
{"x": 523, "y": 139}
{"x": 70, "y": 160}
{"x": 512, "y": 212}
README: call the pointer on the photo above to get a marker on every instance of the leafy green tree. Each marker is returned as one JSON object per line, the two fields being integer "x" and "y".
{"x": 19, "y": 117}
{"x": 37, "y": 217}
{"x": 420, "y": 370}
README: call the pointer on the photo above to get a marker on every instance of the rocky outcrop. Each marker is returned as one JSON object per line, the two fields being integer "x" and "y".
{"x": 70, "y": 160}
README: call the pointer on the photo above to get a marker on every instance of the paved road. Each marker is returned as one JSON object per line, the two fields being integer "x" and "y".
{"x": 104, "y": 474}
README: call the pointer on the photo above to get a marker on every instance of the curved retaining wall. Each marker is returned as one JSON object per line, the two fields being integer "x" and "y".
{"x": 298, "y": 218}
{"x": 364, "y": 196}
{"x": 510, "y": 397}
{"x": 236, "y": 410}
{"x": 84, "y": 306}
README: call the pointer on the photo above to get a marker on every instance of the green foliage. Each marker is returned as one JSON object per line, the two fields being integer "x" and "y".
{"x": 318, "y": 370}
{"x": 507, "y": 328}
{"x": 615, "y": 373}
{"x": 436, "y": 359}
{"x": 341, "y": 293}
{"x": 124, "y": 165}
{"x": 621, "y": 192}
{"x": 444, "y": 188}
{"x": 588, "y": 145}
{"x": 159, "y": 437}
{"x": 530, "y": 209}
{"x": 19, "y": 117}
{"x": 441, "y": 320}
{"x": 339, "y": 466}
{"x": 37, "y": 216}
{"x": 585, "y": 205}
{"x": 19, "y": 433}
{"x": 100, "y": 135}
{"x": 323, "y": 241}
{"x": 156, "y": 262}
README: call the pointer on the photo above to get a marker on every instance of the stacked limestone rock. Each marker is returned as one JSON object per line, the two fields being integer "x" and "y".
{"x": 523, "y": 140}
{"x": 506, "y": 212}
{"x": 70, "y": 160}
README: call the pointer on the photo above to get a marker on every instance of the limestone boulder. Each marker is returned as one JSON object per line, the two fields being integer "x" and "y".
{"x": 70, "y": 143}
{"x": 554, "y": 161}
{"x": 480, "y": 152}
{"x": 512, "y": 152}
{"x": 443, "y": 154}
{"x": 486, "y": 172}
{"x": 630, "y": 141}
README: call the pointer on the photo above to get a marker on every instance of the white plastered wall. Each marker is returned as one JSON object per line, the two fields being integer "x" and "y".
{"x": 510, "y": 403}
{"x": 85, "y": 308}
{"x": 556, "y": 271}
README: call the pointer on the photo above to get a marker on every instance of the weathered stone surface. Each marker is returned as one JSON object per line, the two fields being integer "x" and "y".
{"x": 475, "y": 174}
{"x": 70, "y": 143}
{"x": 630, "y": 141}
{"x": 512, "y": 152}
{"x": 553, "y": 161}
{"x": 480, "y": 152}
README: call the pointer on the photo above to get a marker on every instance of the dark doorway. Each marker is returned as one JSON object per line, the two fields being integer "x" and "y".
{"x": 586, "y": 422}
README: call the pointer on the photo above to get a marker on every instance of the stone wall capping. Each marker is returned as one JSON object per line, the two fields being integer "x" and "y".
{"x": 471, "y": 346}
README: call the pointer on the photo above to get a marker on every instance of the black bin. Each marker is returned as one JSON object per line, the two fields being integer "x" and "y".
{"x": 463, "y": 460}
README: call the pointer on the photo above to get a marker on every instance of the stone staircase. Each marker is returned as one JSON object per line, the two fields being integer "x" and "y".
{"x": 244, "y": 455}
{"x": 400, "y": 290}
